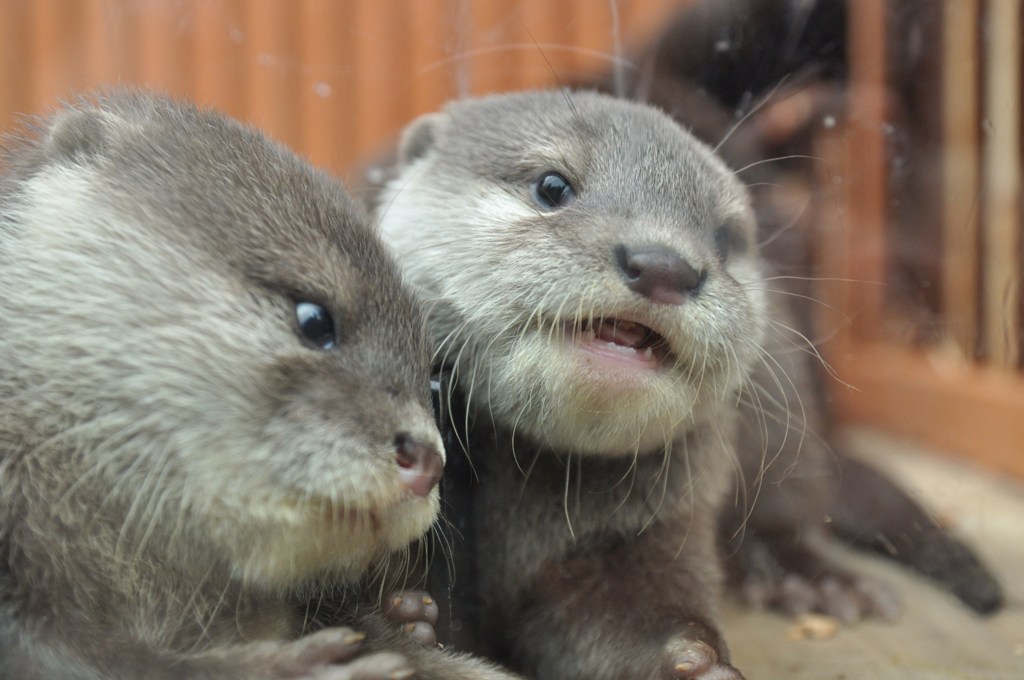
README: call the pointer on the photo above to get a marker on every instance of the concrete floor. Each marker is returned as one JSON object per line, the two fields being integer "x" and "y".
{"x": 936, "y": 638}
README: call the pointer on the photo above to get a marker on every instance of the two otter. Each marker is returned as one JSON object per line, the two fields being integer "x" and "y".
{"x": 629, "y": 389}
{"x": 214, "y": 408}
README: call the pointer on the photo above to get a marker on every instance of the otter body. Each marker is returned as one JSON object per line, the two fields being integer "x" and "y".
{"x": 213, "y": 407}
{"x": 594, "y": 287}
{"x": 716, "y": 67}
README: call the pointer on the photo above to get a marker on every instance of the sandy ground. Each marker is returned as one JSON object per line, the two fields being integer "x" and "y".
{"x": 936, "y": 636}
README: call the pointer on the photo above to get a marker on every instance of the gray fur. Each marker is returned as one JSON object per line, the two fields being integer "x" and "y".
{"x": 595, "y": 513}
{"x": 179, "y": 473}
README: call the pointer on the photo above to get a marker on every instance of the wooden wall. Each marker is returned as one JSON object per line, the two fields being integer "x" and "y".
{"x": 941, "y": 365}
{"x": 335, "y": 79}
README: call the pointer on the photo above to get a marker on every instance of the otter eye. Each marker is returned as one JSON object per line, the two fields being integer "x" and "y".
{"x": 553, "y": 191}
{"x": 728, "y": 241}
{"x": 315, "y": 324}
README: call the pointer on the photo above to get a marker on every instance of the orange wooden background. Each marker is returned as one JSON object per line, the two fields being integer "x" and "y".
{"x": 335, "y": 79}
{"x": 962, "y": 390}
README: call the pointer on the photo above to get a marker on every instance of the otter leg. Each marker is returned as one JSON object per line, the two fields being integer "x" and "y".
{"x": 644, "y": 609}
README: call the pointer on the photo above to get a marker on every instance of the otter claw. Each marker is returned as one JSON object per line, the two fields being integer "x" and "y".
{"x": 696, "y": 660}
{"x": 417, "y": 613}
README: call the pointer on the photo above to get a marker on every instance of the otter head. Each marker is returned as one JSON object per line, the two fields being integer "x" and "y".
{"x": 589, "y": 267}
{"x": 206, "y": 352}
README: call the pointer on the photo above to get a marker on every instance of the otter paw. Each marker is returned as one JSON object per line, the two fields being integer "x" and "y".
{"x": 331, "y": 654}
{"x": 843, "y": 597}
{"x": 416, "y": 612}
{"x": 689, "y": 659}
{"x": 799, "y": 580}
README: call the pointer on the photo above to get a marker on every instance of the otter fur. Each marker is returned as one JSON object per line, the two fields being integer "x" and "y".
{"x": 716, "y": 67}
{"x": 214, "y": 408}
{"x": 594, "y": 288}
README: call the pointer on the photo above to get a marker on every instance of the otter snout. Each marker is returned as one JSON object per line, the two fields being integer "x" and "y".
{"x": 419, "y": 465}
{"x": 658, "y": 273}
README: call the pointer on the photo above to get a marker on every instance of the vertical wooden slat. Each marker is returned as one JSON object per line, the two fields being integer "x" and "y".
{"x": 831, "y": 244}
{"x": 270, "y": 59}
{"x": 544, "y": 53}
{"x": 379, "y": 95}
{"x": 866, "y": 176}
{"x": 327, "y": 115}
{"x": 434, "y": 41}
{"x": 960, "y": 91}
{"x": 122, "y": 50}
{"x": 1001, "y": 286}
{"x": 15, "y": 61}
{"x": 163, "y": 61}
{"x": 99, "y": 57}
{"x": 56, "y": 45}
{"x": 494, "y": 62}
{"x": 218, "y": 76}
{"x": 589, "y": 35}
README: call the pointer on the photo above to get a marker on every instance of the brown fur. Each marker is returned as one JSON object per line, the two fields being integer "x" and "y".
{"x": 759, "y": 80}
{"x": 181, "y": 473}
{"x": 594, "y": 511}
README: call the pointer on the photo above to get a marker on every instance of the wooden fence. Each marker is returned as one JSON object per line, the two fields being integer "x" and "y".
{"x": 334, "y": 79}
{"x": 938, "y": 360}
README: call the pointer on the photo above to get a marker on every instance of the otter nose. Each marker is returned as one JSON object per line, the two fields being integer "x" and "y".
{"x": 419, "y": 465}
{"x": 658, "y": 273}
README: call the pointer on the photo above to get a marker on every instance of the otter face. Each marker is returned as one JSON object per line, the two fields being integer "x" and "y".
{"x": 590, "y": 268}
{"x": 207, "y": 346}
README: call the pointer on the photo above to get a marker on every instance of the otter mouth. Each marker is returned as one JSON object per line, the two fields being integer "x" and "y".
{"x": 626, "y": 343}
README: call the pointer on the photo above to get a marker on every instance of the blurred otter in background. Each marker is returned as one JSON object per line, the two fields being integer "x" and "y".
{"x": 759, "y": 80}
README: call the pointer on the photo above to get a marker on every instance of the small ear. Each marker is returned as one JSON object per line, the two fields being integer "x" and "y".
{"x": 78, "y": 134}
{"x": 419, "y": 137}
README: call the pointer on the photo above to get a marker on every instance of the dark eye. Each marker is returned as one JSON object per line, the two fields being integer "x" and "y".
{"x": 728, "y": 241}
{"x": 553, "y": 191}
{"x": 315, "y": 324}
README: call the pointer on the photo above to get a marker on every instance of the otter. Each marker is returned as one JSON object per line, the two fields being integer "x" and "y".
{"x": 214, "y": 408}
{"x": 717, "y": 68}
{"x": 595, "y": 292}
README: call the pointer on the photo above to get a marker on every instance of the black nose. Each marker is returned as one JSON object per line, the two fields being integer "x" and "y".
{"x": 419, "y": 465}
{"x": 659, "y": 273}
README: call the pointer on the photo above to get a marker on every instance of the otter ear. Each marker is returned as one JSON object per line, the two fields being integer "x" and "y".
{"x": 419, "y": 137}
{"x": 79, "y": 134}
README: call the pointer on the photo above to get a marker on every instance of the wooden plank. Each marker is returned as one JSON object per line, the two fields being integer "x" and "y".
{"x": 15, "y": 62}
{"x": 866, "y": 176}
{"x": 327, "y": 113}
{"x": 56, "y": 52}
{"x": 381, "y": 72}
{"x": 1001, "y": 268}
{"x": 545, "y": 56}
{"x": 493, "y": 59}
{"x": 163, "y": 56}
{"x": 831, "y": 242}
{"x": 955, "y": 406}
{"x": 434, "y": 40}
{"x": 270, "y": 49}
{"x": 960, "y": 169}
{"x": 219, "y": 78}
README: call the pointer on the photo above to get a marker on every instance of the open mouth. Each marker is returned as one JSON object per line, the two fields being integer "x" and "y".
{"x": 625, "y": 342}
